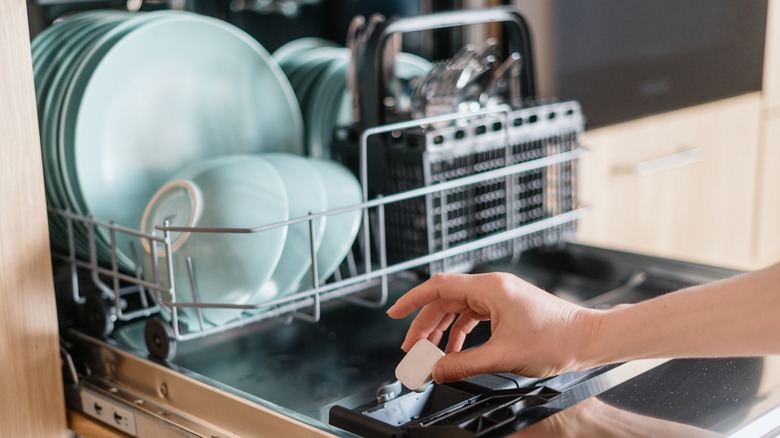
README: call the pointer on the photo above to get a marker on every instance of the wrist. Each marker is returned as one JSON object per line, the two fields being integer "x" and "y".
{"x": 619, "y": 334}
{"x": 596, "y": 347}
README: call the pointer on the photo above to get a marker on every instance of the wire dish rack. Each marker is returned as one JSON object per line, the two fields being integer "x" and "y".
{"x": 454, "y": 218}
{"x": 457, "y": 190}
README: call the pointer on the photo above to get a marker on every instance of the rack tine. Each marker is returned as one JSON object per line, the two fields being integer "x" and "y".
{"x": 74, "y": 275}
{"x": 382, "y": 265}
{"x": 351, "y": 264}
{"x": 138, "y": 274}
{"x": 315, "y": 272}
{"x": 195, "y": 291}
{"x": 114, "y": 268}
{"x": 383, "y": 293}
{"x": 315, "y": 316}
{"x": 155, "y": 261}
{"x": 382, "y": 253}
{"x": 171, "y": 281}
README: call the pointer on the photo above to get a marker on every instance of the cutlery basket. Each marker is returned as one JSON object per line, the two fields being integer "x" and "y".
{"x": 536, "y": 136}
{"x": 538, "y": 146}
{"x": 474, "y": 211}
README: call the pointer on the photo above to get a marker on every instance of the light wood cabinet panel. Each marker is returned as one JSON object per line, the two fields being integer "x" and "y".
{"x": 771, "y": 85}
{"x": 767, "y": 239}
{"x": 681, "y": 184}
{"x": 31, "y": 395}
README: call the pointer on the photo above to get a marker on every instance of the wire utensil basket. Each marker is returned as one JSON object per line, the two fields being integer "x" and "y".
{"x": 537, "y": 135}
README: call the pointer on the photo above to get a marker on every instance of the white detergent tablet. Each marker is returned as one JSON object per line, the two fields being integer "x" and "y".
{"x": 415, "y": 368}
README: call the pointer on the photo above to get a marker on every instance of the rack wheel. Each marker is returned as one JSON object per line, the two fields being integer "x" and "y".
{"x": 97, "y": 317}
{"x": 159, "y": 339}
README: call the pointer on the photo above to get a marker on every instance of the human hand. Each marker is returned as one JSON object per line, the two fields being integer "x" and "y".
{"x": 533, "y": 333}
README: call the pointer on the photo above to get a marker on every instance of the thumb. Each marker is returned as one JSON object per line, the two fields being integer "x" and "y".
{"x": 464, "y": 364}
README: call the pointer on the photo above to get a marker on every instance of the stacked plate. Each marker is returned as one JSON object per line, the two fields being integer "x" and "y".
{"x": 126, "y": 100}
{"x": 317, "y": 70}
{"x": 246, "y": 191}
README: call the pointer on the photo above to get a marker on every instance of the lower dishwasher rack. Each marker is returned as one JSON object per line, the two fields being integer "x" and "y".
{"x": 478, "y": 187}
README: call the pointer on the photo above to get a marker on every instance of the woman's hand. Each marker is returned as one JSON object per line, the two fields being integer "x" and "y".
{"x": 533, "y": 333}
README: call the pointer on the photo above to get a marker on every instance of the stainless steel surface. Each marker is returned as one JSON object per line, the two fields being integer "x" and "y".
{"x": 177, "y": 402}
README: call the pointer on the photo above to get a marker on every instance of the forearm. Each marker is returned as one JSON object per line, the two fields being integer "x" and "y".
{"x": 734, "y": 317}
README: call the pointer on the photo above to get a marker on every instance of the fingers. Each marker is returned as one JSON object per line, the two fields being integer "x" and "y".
{"x": 464, "y": 364}
{"x": 462, "y": 327}
{"x": 438, "y": 332}
{"x": 451, "y": 287}
{"x": 443, "y": 295}
{"x": 432, "y": 317}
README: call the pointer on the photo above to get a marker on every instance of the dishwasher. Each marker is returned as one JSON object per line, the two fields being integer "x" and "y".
{"x": 488, "y": 189}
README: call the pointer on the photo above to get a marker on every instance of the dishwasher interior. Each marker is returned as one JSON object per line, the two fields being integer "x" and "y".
{"x": 463, "y": 189}
{"x": 338, "y": 375}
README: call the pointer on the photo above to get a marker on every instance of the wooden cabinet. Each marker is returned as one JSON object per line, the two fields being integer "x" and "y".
{"x": 702, "y": 183}
{"x": 767, "y": 237}
{"x": 771, "y": 85}
{"x": 31, "y": 395}
{"x": 767, "y": 240}
{"x": 697, "y": 183}
{"x": 680, "y": 184}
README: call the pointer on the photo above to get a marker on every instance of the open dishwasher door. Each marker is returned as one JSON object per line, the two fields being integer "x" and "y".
{"x": 300, "y": 379}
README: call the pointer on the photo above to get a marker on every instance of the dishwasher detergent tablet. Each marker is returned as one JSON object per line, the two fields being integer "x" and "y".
{"x": 415, "y": 368}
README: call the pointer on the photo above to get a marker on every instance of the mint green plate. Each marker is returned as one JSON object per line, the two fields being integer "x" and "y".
{"x": 287, "y": 53}
{"x": 54, "y": 107}
{"x": 342, "y": 189}
{"x": 306, "y": 194}
{"x": 163, "y": 95}
{"x": 56, "y": 74}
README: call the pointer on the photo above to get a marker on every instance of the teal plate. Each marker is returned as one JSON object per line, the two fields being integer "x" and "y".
{"x": 166, "y": 94}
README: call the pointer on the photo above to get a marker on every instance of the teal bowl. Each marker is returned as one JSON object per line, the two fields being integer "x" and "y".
{"x": 237, "y": 191}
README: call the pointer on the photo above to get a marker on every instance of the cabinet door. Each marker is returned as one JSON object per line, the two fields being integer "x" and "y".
{"x": 680, "y": 184}
{"x": 31, "y": 393}
{"x": 768, "y": 232}
{"x": 771, "y": 84}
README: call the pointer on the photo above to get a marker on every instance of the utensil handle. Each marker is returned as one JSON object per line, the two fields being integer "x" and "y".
{"x": 372, "y": 74}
